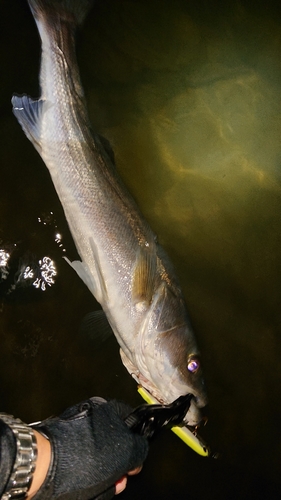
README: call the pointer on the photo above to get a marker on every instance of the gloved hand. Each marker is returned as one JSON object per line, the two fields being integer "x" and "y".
{"x": 92, "y": 449}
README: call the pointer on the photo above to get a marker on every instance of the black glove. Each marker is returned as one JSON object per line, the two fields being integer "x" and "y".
{"x": 92, "y": 449}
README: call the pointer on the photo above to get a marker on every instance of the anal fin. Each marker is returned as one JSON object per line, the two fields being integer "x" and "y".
{"x": 28, "y": 112}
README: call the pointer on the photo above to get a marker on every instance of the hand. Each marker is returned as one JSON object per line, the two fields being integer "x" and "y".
{"x": 43, "y": 463}
{"x": 92, "y": 449}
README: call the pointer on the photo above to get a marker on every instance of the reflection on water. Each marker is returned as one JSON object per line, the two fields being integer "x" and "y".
{"x": 4, "y": 259}
{"x": 41, "y": 277}
{"x": 22, "y": 269}
{"x": 188, "y": 93}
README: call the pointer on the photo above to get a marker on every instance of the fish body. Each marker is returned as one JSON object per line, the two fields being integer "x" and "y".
{"x": 122, "y": 263}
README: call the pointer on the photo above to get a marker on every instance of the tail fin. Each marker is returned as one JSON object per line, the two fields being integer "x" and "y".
{"x": 56, "y": 22}
{"x": 71, "y": 11}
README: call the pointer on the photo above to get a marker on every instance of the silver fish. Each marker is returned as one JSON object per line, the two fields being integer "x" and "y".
{"x": 121, "y": 261}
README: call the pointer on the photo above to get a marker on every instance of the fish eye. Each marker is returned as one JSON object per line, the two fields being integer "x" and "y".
{"x": 193, "y": 364}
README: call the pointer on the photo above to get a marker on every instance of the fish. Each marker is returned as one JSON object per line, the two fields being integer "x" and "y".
{"x": 122, "y": 263}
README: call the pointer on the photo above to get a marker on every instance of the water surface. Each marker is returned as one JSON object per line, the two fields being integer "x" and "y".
{"x": 188, "y": 93}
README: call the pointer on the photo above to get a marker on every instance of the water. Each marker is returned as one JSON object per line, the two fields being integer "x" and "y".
{"x": 188, "y": 93}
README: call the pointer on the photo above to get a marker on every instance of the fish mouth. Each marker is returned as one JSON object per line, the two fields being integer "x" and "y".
{"x": 193, "y": 417}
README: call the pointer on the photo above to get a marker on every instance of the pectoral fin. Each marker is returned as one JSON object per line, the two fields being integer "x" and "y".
{"x": 144, "y": 274}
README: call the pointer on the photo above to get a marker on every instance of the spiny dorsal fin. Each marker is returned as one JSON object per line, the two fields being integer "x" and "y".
{"x": 107, "y": 147}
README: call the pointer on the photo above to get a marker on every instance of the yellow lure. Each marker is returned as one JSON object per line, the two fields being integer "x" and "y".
{"x": 182, "y": 432}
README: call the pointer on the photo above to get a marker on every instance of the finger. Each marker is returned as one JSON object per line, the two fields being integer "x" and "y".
{"x": 120, "y": 485}
{"x": 135, "y": 471}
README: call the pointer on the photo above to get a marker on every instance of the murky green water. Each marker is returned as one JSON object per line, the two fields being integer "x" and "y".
{"x": 188, "y": 93}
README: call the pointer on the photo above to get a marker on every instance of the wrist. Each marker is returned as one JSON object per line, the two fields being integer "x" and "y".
{"x": 23, "y": 452}
{"x": 42, "y": 464}
{"x": 25, "y": 458}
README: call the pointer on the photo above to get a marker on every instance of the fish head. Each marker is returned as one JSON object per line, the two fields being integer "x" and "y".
{"x": 179, "y": 364}
{"x": 172, "y": 365}
{"x": 168, "y": 358}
